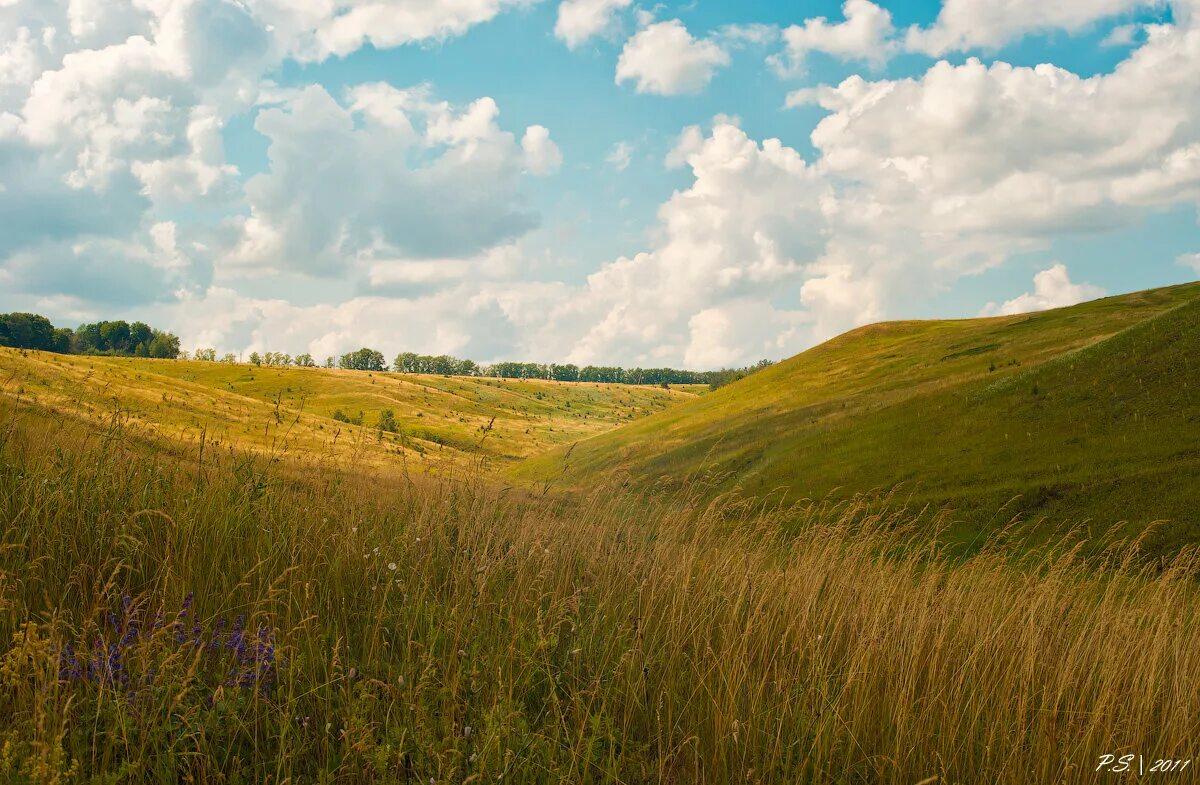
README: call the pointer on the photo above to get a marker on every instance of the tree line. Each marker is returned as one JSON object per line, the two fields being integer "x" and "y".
{"x": 137, "y": 339}
{"x": 122, "y": 338}
{"x": 366, "y": 359}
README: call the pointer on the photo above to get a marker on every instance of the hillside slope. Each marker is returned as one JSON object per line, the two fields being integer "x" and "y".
{"x": 292, "y": 409}
{"x": 1082, "y": 413}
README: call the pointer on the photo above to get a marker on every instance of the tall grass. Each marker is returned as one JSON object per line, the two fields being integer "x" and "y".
{"x": 449, "y": 631}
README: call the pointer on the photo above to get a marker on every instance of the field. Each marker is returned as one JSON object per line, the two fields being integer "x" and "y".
{"x": 808, "y": 576}
{"x": 441, "y": 421}
{"x": 234, "y": 622}
{"x": 1083, "y": 416}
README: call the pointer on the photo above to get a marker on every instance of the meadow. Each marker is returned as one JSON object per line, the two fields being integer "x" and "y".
{"x": 1032, "y": 425}
{"x": 206, "y": 577}
{"x": 243, "y": 619}
{"x": 440, "y": 421}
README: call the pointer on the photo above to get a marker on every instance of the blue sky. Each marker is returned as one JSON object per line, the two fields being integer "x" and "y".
{"x": 701, "y": 183}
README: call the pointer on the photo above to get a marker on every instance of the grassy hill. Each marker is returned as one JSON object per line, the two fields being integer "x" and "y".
{"x": 1082, "y": 413}
{"x": 279, "y": 409}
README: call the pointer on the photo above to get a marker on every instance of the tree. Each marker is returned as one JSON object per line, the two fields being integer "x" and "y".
{"x": 164, "y": 346}
{"x": 229, "y": 357}
{"x": 363, "y": 360}
{"x": 564, "y": 373}
{"x": 406, "y": 362}
{"x": 305, "y": 360}
{"x": 387, "y": 422}
{"x": 114, "y": 337}
{"x": 140, "y": 336}
{"x": 255, "y": 359}
{"x": 206, "y": 355}
{"x": 27, "y": 331}
{"x": 328, "y": 362}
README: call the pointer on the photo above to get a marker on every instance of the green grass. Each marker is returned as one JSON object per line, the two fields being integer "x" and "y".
{"x": 443, "y": 420}
{"x": 1084, "y": 415}
{"x": 431, "y": 630}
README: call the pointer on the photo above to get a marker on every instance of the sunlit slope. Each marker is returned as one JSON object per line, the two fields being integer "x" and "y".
{"x": 291, "y": 409}
{"x": 1084, "y": 412}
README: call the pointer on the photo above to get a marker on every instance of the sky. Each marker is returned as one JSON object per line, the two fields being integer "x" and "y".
{"x": 698, "y": 184}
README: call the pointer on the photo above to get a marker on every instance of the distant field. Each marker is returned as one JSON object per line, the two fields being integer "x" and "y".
{"x": 277, "y": 409}
{"x": 1087, "y": 413}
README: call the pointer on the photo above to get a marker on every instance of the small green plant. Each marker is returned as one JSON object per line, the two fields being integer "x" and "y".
{"x": 387, "y": 422}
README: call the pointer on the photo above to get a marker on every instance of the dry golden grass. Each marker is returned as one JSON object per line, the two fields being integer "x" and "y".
{"x": 448, "y": 631}
{"x": 440, "y": 420}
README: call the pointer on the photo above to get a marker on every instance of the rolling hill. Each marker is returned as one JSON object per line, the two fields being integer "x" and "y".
{"x": 1082, "y": 415}
{"x": 292, "y": 410}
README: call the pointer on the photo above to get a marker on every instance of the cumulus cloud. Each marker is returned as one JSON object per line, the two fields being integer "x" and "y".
{"x": 313, "y": 30}
{"x": 111, "y": 159}
{"x": 989, "y": 24}
{"x": 1191, "y": 260}
{"x": 1052, "y": 288}
{"x": 1121, "y": 35}
{"x": 109, "y": 111}
{"x": 542, "y": 155}
{"x": 863, "y": 35}
{"x": 400, "y": 174}
{"x": 467, "y": 321}
{"x": 740, "y": 234}
{"x": 112, "y": 117}
{"x": 580, "y": 20}
{"x": 1018, "y": 153}
{"x": 620, "y": 156}
{"x": 664, "y": 59}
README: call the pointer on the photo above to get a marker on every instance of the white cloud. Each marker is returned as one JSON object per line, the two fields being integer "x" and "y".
{"x": 989, "y": 24}
{"x": 198, "y": 173}
{"x": 664, "y": 59}
{"x": 1191, "y": 260}
{"x": 580, "y": 20}
{"x": 740, "y": 234}
{"x": 410, "y": 211}
{"x": 864, "y": 35}
{"x": 314, "y": 30}
{"x": 1018, "y": 153}
{"x": 620, "y": 156}
{"x": 465, "y": 321}
{"x": 1121, "y": 35}
{"x": 542, "y": 156}
{"x": 1052, "y": 288}
{"x": 367, "y": 199}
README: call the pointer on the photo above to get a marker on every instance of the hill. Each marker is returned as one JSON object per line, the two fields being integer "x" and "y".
{"x": 438, "y": 419}
{"x": 1086, "y": 413}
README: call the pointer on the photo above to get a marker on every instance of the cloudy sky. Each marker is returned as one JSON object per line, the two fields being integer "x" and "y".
{"x": 693, "y": 184}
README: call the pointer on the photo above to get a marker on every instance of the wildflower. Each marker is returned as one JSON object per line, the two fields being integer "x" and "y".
{"x": 392, "y": 566}
{"x": 467, "y": 731}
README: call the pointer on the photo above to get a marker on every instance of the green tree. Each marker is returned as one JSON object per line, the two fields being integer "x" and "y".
{"x": 363, "y": 359}
{"x": 114, "y": 337}
{"x": 164, "y": 346}
{"x": 387, "y": 422}
{"x": 27, "y": 331}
